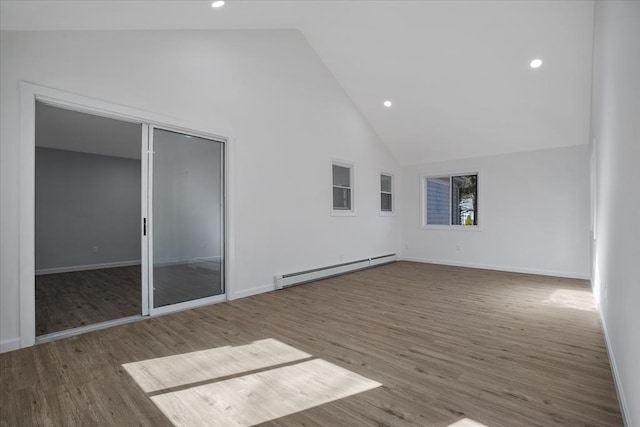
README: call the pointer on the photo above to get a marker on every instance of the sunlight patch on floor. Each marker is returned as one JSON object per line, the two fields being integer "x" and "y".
{"x": 191, "y": 389}
{"x": 466, "y": 422}
{"x": 189, "y": 368}
{"x": 256, "y": 398}
{"x": 569, "y": 298}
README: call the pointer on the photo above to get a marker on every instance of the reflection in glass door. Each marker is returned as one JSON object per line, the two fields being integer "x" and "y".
{"x": 187, "y": 218}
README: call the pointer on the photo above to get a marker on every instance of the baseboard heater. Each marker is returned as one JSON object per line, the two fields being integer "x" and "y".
{"x": 292, "y": 279}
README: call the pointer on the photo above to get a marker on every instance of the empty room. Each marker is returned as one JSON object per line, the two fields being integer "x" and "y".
{"x": 87, "y": 195}
{"x": 320, "y": 213}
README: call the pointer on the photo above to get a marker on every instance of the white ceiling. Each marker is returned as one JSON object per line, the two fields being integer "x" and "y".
{"x": 85, "y": 133}
{"x": 456, "y": 71}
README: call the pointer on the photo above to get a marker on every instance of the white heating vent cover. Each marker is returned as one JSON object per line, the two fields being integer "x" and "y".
{"x": 286, "y": 280}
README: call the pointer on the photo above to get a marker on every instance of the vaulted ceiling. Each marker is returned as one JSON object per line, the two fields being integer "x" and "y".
{"x": 457, "y": 72}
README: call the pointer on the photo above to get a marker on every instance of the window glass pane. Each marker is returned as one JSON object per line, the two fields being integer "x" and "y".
{"x": 464, "y": 200}
{"x": 437, "y": 201}
{"x": 341, "y": 198}
{"x": 385, "y": 202}
{"x": 341, "y": 176}
{"x": 385, "y": 183}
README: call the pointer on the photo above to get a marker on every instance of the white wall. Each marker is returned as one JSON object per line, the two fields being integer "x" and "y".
{"x": 85, "y": 201}
{"x": 616, "y": 134}
{"x": 289, "y": 117}
{"x": 534, "y": 214}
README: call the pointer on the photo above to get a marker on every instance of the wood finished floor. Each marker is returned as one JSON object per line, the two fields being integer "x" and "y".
{"x": 502, "y": 349}
{"x": 184, "y": 282}
{"x": 71, "y": 300}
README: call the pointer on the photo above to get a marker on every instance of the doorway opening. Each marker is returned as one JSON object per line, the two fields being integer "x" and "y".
{"x": 87, "y": 212}
{"x": 128, "y": 216}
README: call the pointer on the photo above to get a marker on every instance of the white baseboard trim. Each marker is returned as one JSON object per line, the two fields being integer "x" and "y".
{"x": 9, "y": 345}
{"x": 253, "y": 291}
{"x": 73, "y": 268}
{"x": 498, "y": 268}
{"x": 624, "y": 408}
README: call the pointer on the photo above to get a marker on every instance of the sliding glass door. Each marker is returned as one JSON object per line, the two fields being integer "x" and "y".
{"x": 127, "y": 217}
{"x": 186, "y": 219}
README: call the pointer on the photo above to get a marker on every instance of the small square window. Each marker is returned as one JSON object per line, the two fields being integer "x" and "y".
{"x": 450, "y": 200}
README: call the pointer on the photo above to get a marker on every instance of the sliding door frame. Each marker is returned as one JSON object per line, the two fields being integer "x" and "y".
{"x": 144, "y": 221}
{"x": 29, "y": 94}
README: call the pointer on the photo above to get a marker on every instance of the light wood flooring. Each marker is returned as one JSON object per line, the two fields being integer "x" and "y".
{"x": 446, "y": 343}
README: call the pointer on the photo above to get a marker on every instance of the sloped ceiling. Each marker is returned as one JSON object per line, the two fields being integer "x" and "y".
{"x": 457, "y": 72}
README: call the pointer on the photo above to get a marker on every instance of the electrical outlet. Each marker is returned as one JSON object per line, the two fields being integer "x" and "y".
{"x": 94, "y": 250}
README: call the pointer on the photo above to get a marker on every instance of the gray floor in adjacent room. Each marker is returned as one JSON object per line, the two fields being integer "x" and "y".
{"x": 70, "y": 300}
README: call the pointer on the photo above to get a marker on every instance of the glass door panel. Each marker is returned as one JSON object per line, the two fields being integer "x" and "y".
{"x": 187, "y": 218}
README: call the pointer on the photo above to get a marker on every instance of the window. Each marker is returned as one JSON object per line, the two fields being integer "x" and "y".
{"x": 450, "y": 200}
{"x": 342, "y": 188}
{"x": 386, "y": 193}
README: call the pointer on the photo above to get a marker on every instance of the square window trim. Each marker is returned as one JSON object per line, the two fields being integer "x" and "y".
{"x": 423, "y": 202}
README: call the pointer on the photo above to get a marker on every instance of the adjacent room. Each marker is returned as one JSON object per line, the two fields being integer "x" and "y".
{"x": 87, "y": 219}
{"x": 320, "y": 213}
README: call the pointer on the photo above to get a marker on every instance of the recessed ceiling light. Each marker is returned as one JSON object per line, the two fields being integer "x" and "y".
{"x": 217, "y": 4}
{"x": 387, "y": 104}
{"x": 535, "y": 63}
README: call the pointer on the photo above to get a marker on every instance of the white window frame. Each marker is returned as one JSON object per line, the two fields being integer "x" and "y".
{"x": 352, "y": 175}
{"x": 392, "y": 212}
{"x": 423, "y": 202}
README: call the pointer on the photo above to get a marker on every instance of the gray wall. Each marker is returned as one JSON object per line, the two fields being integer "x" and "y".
{"x": 82, "y": 201}
{"x": 186, "y": 198}
{"x": 616, "y": 137}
